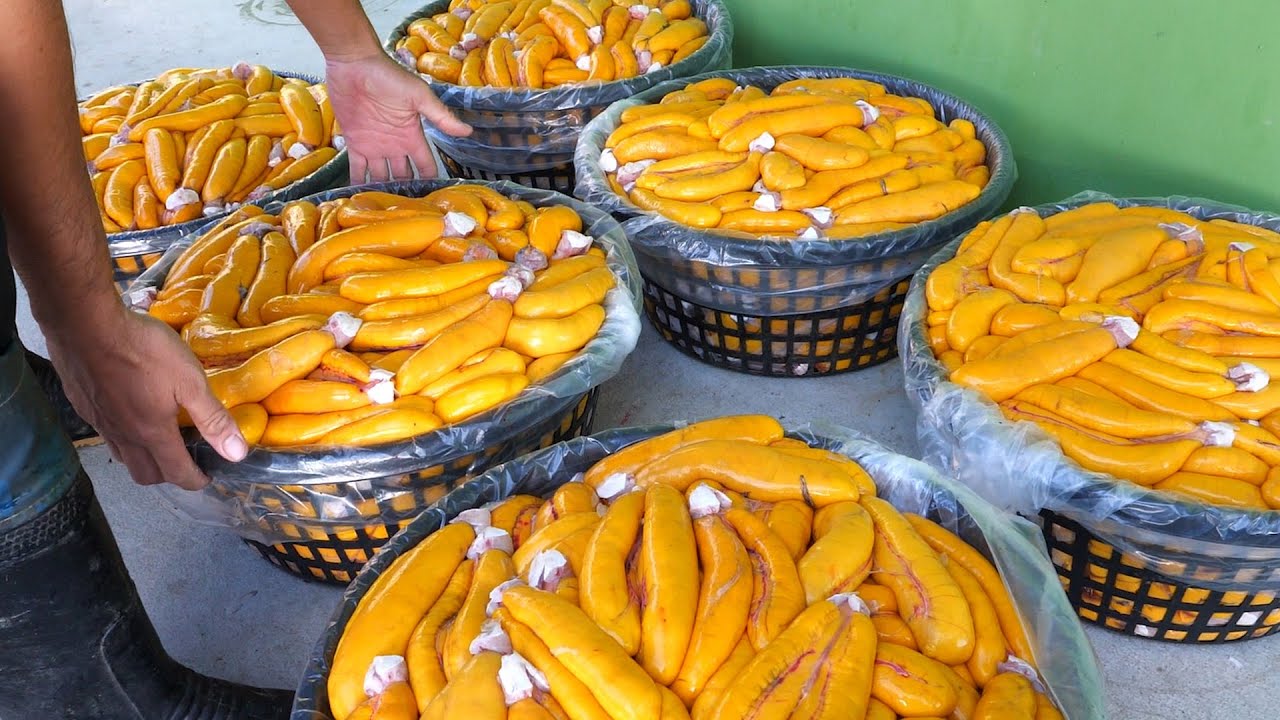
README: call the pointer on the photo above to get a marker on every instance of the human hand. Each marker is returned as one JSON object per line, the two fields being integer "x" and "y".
{"x": 379, "y": 106}
{"x": 129, "y": 377}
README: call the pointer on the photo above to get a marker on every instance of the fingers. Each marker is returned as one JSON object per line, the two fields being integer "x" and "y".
{"x": 393, "y": 168}
{"x": 359, "y": 167}
{"x": 114, "y": 450}
{"x": 164, "y": 450}
{"x": 141, "y": 465}
{"x": 400, "y": 168}
{"x": 422, "y": 159}
{"x": 170, "y": 453}
{"x": 379, "y": 169}
{"x": 440, "y": 116}
{"x": 213, "y": 421}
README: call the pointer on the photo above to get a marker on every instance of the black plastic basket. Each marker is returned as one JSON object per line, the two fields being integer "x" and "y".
{"x": 528, "y": 136}
{"x": 770, "y": 276}
{"x": 804, "y": 345}
{"x": 1067, "y": 664}
{"x": 1133, "y": 559}
{"x": 558, "y": 178}
{"x": 342, "y": 504}
{"x": 1116, "y": 590}
{"x": 500, "y": 149}
{"x": 133, "y": 251}
{"x": 336, "y": 554}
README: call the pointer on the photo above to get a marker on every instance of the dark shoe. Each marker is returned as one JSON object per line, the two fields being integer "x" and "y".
{"x": 78, "y": 643}
{"x": 81, "y": 433}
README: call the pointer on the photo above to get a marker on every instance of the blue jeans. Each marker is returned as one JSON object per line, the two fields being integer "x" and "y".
{"x": 37, "y": 461}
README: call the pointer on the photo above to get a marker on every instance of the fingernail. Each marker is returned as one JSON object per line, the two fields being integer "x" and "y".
{"x": 235, "y": 448}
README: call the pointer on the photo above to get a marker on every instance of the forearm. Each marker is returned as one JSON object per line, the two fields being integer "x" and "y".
{"x": 339, "y": 27}
{"x": 56, "y": 241}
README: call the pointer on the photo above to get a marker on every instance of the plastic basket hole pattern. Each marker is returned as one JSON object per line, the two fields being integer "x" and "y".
{"x": 783, "y": 290}
{"x": 805, "y": 345}
{"x": 332, "y": 553}
{"x": 126, "y": 268}
{"x": 1116, "y": 590}
{"x": 559, "y": 178}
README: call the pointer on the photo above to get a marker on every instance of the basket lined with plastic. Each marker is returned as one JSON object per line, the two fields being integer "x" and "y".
{"x": 1168, "y": 536}
{"x": 321, "y": 510}
{"x": 716, "y": 287}
{"x": 135, "y": 171}
{"x": 328, "y": 531}
{"x": 332, "y": 683}
{"x": 528, "y": 135}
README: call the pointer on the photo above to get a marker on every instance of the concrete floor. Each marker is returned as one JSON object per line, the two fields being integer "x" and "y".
{"x": 224, "y": 611}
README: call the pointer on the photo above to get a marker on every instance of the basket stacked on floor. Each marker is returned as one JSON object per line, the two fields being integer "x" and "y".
{"x": 1066, "y": 663}
{"x": 785, "y": 306}
{"x": 528, "y": 136}
{"x": 321, "y": 514}
{"x": 1135, "y": 560}
{"x": 134, "y": 251}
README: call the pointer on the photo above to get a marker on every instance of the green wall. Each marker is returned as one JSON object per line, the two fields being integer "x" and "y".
{"x": 1132, "y": 97}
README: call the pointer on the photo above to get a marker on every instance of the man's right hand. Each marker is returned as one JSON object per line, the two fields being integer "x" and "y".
{"x": 380, "y": 107}
{"x": 129, "y": 376}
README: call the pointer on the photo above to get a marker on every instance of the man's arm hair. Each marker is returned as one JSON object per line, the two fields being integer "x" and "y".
{"x": 56, "y": 240}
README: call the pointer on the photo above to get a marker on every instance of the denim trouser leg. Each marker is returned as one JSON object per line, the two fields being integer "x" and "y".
{"x": 37, "y": 461}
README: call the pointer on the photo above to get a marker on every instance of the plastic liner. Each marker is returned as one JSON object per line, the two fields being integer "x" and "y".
{"x": 1065, "y": 658}
{"x": 249, "y": 495}
{"x": 133, "y": 243}
{"x": 522, "y": 130}
{"x": 1018, "y": 467}
{"x": 127, "y": 267}
{"x": 738, "y": 272}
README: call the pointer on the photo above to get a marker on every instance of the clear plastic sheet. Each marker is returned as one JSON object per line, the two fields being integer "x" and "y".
{"x": 334, "y": 488}
{"x": 738, "y": 272}
{"x": 157, "y": 240}
{"x": 1065, "y": 658}
{"x": 522, "y": 130}
{"x": 1018, "y": 467}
